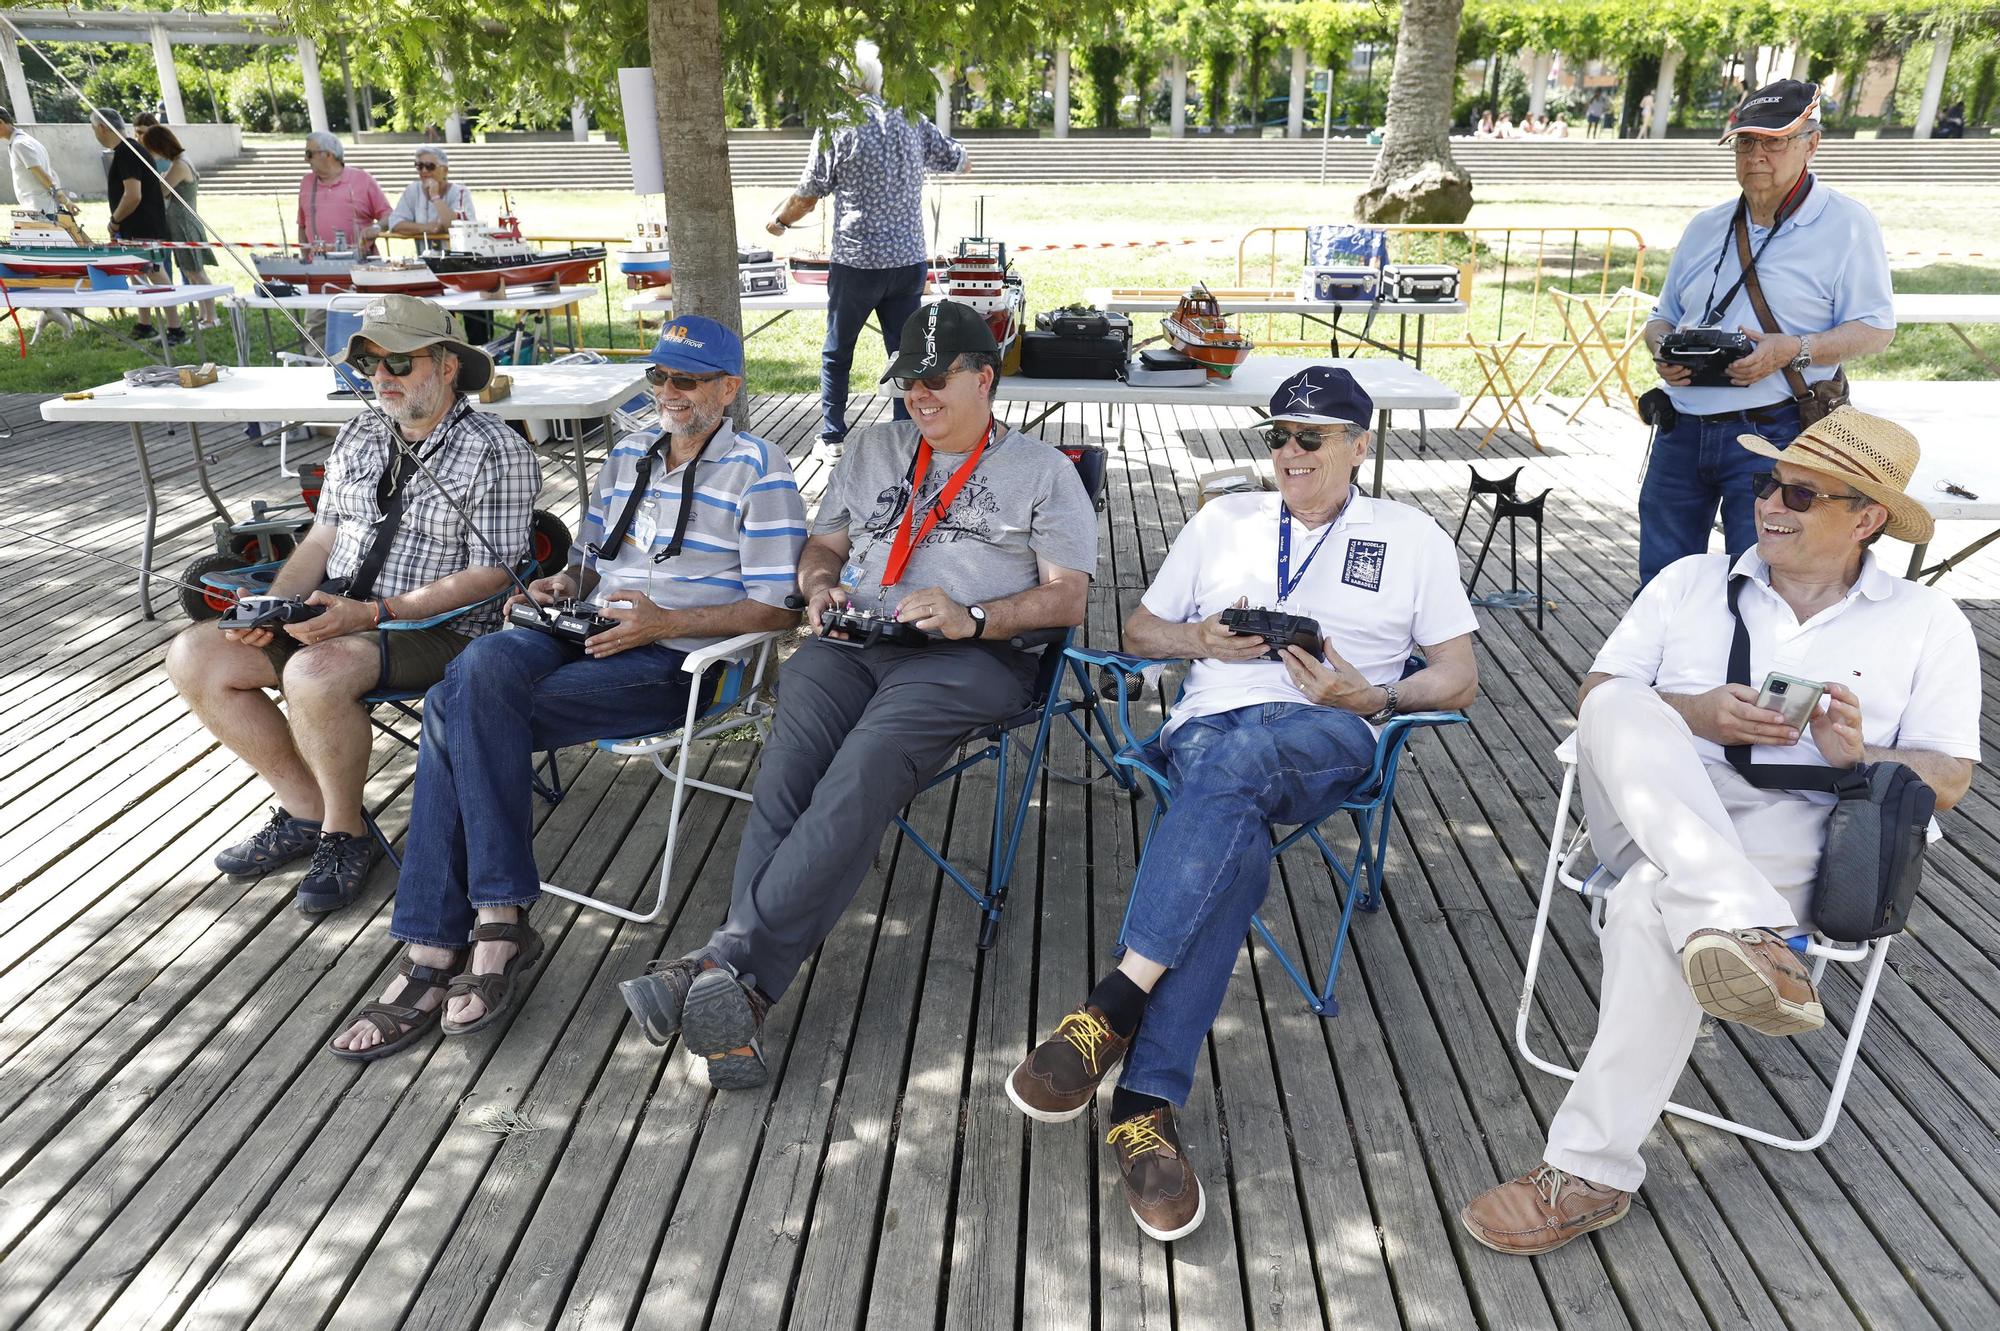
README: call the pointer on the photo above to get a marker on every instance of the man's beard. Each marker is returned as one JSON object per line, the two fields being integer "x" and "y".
{"x": 419, "y": 405}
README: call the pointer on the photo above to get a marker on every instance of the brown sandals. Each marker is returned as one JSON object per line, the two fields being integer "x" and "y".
{"x": 496, "y": 989}
{"x": 400, "y": 1024}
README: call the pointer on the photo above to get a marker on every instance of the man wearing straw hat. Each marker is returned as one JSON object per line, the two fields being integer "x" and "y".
{"x": 1714, "y": 873}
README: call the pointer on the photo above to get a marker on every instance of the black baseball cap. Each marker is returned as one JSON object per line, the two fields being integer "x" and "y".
{"x": 1776, "y": 110}
{"x": 935, "y": 336}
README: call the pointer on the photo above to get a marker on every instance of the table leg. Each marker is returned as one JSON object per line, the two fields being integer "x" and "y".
{"x": 1381, "y": 447}
{"x": 152, "y": 519}
{"x": 200, "y": 338}
{"x": 1916, "y": 561}
{"x": 201, "y": 462}
{"x": 1975, "y": 349}
{"x": 166, "y": 347}
{"x": 239, "y": 328}
{"x": 583, "y": 481}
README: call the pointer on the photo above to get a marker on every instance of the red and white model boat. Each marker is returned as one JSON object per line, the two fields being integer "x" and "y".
{"x": 1198, "y": 330}
{"x": 978, "y": 276}
{"x": 481, "y": 257}
{"x": 810, "y": 267}
{"x": 402, "y": 277}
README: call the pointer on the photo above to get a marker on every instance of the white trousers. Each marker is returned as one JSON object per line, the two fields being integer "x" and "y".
{"x": 1694, "y": 847}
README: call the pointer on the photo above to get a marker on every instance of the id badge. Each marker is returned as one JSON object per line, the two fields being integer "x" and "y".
{"x": 645, "y": 526}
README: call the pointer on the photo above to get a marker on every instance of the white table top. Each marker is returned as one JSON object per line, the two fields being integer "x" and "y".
{"x": 797, "y": 296}
{"x": 508, "y": 299}
{"x": 105, "y": 298}
{"x": 1953, "y": 424}
{"x": 1918, "y": 307}
{"x": 1395, "y": 385}
{"x": 1263, "y": 302}
{"x": 287, "y": 393}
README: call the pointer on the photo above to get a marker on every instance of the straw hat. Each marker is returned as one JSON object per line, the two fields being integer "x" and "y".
{"x": 1873, "y": 455}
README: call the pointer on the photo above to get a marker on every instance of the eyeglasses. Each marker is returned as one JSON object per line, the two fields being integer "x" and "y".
{"x": 1798, "y": 498}
{"x": 427, "y": 166}
{"x": 1746, "y": 144}
{"x": 685, "y": 383}
{"x": 1276, "y": 437}
{"x": 934, "y": 382}
{"x": 398, "y": 363}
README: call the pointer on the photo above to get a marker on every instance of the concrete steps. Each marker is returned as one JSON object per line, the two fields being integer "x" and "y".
{"x": 756, "y": 159}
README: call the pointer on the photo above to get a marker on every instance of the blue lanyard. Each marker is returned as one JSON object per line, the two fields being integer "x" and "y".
{"x": 1287, "y": 584}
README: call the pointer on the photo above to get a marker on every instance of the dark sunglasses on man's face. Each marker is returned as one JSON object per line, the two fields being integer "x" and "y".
{"x": 1276, "y": 437}
{"x": 397, "y": 363}
{"x": 1798, "y": 498}
{"x": 427, "y": 166}
{"x": 934, "y": 382}
{"x": 685, "y": 383}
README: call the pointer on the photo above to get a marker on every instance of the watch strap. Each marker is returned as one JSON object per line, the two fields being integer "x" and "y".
{"x": 978, "y": 613}
{"x": 1388, "y": 709}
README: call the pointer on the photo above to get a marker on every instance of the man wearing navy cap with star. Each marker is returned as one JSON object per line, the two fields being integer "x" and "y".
{"x": 675, "y": 575}
{"x": 1252, "y": 742}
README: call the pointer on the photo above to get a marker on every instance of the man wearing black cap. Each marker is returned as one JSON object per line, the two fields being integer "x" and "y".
{"x": 385, "y": 545}
{"x": 1252, "y": 742}
{"x": 952, "y": 522}
{"x": 1818, "y": 266}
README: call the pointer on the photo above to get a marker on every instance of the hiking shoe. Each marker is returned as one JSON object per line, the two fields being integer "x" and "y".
{"x": 1540, "y": 1211}
{"x": 340, "y": 861}
{"x": 656, "y": 997}
{"x": 1160, "y": 1186}
{"x": 1750, "y": 976}
{"x": 722, "y": 1020}
{"x": 1056, "y": 1082}
{"x": 176, "y": 336}
{"x": 272, "y": 846}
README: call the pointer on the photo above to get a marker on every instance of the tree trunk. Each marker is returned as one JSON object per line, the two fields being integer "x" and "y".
{"x": 1415, "y": 178}
{"x": 685, "y": 38}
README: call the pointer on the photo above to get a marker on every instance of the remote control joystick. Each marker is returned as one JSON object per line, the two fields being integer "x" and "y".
{"x": 1277, "y": 629}
{"x": 566, "y": 618}
{"x": 864, "y": 628}
{"x": 263, "y": 612}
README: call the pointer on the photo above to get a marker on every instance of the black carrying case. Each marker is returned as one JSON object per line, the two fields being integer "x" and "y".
{"x": 1046, "y": 355}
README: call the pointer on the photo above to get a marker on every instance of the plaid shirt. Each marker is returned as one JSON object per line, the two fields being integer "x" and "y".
{"x": 484, "y": 464}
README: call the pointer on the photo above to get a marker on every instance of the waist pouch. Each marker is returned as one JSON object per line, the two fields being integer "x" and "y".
{"x": 1874, "y": 855}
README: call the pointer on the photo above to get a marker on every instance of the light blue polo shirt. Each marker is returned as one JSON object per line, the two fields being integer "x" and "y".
{"x": 1826, "y": 267}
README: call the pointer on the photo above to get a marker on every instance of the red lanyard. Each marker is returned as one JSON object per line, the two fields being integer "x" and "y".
{"x": 901, "y": 548}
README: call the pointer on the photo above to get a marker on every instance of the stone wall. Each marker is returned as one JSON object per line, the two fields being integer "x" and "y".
{"x": 78, "y": 161}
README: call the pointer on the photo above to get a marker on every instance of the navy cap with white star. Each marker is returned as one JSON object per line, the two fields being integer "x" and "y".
{"x": 1321, "y": 395}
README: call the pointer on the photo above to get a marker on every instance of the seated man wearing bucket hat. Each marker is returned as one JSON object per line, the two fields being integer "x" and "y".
{"x": 950, "y": 521}
{"x": 385, "y": 545}
{"x": 1252, "y": 742}
{"x": 1714, "y": 873}
{"x": 676, "y": 575}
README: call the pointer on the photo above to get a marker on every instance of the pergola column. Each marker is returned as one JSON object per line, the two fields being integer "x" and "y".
{"x": 942, "y": 116}
{"x": 1933, "y": 86}
{"x": 1663, "y": 92}
{"x": 1539, "y": 65}
{"x": 315, "y": 94}
{"x": 454, "y": 124}
{"x": 170, "y": 79}
{"x": 1062, "y": 92}
{"x": 1177, "y": 96}
{"x": 18, "y": 100}
{"x": 1295, "y": 109}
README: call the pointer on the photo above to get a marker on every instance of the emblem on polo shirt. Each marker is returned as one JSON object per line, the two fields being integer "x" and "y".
{"x": 1364, "y": 564}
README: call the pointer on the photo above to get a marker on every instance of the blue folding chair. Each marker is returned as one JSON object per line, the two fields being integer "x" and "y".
{"x": 1368, "y": 805}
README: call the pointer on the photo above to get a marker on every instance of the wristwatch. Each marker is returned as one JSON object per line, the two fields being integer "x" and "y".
{"x": 1804, "y": 358}
{"x": 1388, "y": 712}
{"x": 978, "y": 613}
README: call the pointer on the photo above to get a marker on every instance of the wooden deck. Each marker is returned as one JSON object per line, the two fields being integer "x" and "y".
{"x": 177, "y": 1149}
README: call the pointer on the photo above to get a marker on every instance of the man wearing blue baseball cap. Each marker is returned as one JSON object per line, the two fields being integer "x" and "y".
{"x": 675, "y": 575}
{"x": 1253, "y": 740}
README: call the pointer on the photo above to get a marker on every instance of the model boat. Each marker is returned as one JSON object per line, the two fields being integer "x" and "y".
{"x": 326, "y": 270}
{"x": 978, "y": 276}
{"x": 810, "y": 267}
{"x": 403, "y": 277}
{"x": 648, "y": 264}
{"x": 488, "y": 256}
{"x": 1198, "y": 330}
{"x": 41, "y": 251}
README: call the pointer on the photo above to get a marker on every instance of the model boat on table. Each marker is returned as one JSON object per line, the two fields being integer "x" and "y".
{"x": 1198, "y": 330}
{"x": 402, "y": 277}
{"x": 40, "y": 251}
{"x": 482, "y": 256}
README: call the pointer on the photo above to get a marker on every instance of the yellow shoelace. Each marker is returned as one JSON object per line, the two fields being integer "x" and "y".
{"x": 1086, "y": 1034}
{"x": 1138, "y": 1134}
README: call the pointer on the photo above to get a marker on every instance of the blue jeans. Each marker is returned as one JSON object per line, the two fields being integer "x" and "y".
{"x": 507, "y": 697}
{"x": 1208, "y": 864}
{"x": 852, "y": 294}
{"x": 1695, "y": 466}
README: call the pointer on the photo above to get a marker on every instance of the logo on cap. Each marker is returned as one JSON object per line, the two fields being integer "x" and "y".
{"x": 376, "y": 309}
{"x": 1302, "y": 396}
{"x": 679, "y": 333}
{"x": 1761, "y": 101}
{"x": 930, "y": 339}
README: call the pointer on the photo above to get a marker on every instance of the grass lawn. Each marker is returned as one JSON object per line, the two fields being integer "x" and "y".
{"x": 1943, "y": 225}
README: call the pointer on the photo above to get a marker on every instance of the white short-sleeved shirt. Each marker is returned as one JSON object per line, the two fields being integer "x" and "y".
{"x": 1385, "y": 583}
{"x": 27, "y": 151}
{"x": 1906, "y": 650}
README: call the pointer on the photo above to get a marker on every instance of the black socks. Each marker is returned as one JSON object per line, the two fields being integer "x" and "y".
{"x": 1121, "y": 1002}
{"x": 1128, "y": 1104}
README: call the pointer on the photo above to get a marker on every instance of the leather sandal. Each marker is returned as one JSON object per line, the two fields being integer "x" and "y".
{"x": 496, "y": 989}
{"x": 400, "y": 1024}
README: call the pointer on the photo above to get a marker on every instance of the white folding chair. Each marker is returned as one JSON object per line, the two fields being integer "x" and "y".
{"x": 740, "y": 695}
{"x": 1572, "y": 864}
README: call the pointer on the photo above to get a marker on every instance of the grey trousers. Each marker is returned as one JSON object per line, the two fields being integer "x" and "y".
{"x": 857, "y": 735}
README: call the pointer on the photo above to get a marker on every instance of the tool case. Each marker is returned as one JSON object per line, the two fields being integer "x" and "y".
{"x": 1420, "y": 283}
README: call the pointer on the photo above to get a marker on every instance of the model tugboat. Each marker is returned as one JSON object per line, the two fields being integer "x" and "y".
{"x": 1198, "y": 330}
{"x": 978, "y": 276}
{"x": 402, "y": 277}
{"x": 648, "y": 264}
{"x": 486, "y": 257}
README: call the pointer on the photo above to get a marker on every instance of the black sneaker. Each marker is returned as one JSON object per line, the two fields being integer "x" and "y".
{"x": 656, "y": 997}
{"x": 176, "y": 336}
{"x": 272, "y": 846}
{"x": 144, "y": 332}
{"x": 722, "y": 1020}
{"x": 340, "y": 861}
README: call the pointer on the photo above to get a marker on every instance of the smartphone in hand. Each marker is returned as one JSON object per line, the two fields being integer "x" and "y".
{"x": 1791, "y": 697}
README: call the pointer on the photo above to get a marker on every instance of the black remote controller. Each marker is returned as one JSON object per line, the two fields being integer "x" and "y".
{"x": 865, "y": 628}
{"x": 1277, "y": 629}
{"x": 571, "y": 620}
{"x": 263, "y": 612}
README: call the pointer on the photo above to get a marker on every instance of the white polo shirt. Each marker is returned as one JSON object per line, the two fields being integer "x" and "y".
{"x": 1906, "y": 650}
{"x": 1384, "y": 583}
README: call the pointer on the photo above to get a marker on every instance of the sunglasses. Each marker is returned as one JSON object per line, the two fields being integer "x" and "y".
{"x": 934, "y": 382}
{"x": 1276, "y": 437}
{"x": 398, "y": 363}
{"x": 1798, "y": 498}
{"x": 427, "y": 166}
{"x": 685, "y": 383}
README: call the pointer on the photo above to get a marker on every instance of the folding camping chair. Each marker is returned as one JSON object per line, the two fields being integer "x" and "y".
{"x": 1569, "y": 853}
{"x": 1368, "y": 805}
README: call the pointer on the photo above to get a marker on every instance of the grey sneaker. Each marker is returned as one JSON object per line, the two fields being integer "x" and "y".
{"x": 655, "y": 998}
{"x": 722, "y": 1022}
{"x": 272, "y": 846}
{"x": 340, "y": 862}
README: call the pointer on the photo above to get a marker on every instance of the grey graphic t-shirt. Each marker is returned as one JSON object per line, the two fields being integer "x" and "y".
{"x": 1023, "y": 502}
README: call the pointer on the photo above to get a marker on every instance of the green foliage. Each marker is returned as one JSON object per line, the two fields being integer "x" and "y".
{"x": 1103, "y": 67}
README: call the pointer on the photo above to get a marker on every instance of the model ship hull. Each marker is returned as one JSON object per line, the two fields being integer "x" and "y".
{"x": 315, "y": 275}
{"x": 646, "y": 269}
{"x": 29, "y": 263}
{"x": 809, "y": 268}
{"x": 402, "y": 278}
{"x": 1217, "y": 351}
{"x": 479, "y": 272}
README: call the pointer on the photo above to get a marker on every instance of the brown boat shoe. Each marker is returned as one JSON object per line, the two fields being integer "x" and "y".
{"x": 1541, "y": 1210}
{"x": 1160, "y": 1185}
{"x": 1057, "y": 1080}
{"x": 1749, "y": 976}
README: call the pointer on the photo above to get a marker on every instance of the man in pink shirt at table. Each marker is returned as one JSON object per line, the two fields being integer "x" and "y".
{"x": 337, "y": 201}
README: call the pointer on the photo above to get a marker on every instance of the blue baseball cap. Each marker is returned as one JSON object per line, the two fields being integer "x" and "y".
{"x": 1322, "y": 395}
{"x": 699, "y": 346}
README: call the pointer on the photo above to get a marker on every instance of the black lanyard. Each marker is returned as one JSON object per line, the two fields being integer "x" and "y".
{"x": 640, "y": 481}
{"x": 1789, "y": 206}
{"x": 1287, "y": 584}
{"x": 392, "y": 496}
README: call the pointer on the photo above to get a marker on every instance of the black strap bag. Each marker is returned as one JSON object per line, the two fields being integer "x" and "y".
{"x": 1876, "y": 835}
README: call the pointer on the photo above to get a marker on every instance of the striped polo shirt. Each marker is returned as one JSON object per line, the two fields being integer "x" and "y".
{"x": 743, "y": 537}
